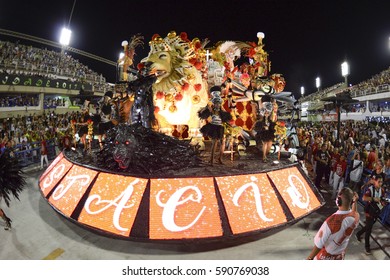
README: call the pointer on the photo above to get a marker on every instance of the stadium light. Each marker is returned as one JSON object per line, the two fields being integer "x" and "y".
{"x": 65, "y": 36}
{"x": 345, "y": 71}
{"x": 318, "y": 83}
{"x": 302, "y": 90}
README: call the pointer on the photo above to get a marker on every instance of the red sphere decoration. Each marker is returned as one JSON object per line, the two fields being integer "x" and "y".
{"x": 160, "y": 95}
{"x": 140, "y": 66}
{"x": 156, "y": 109}
{"x": 198, "y": 65}
{"x": 185, "y": 87}
{"x": 178, "y": 96}
{"x": 198, "y": 87}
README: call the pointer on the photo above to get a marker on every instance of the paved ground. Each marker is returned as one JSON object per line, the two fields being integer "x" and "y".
{"x": 40, "y": 233}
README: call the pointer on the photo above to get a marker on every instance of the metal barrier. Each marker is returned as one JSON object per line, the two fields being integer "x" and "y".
{"x": 32, "y": 155}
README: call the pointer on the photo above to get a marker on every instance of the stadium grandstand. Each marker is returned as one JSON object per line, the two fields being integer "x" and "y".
{"x": 34, "y": 80}
{"x": 372, "y": 98}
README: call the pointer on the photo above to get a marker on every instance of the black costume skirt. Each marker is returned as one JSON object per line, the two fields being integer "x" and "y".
{"x": 104, "y": 127}
{"x": 263, "y": 134}
{"x": 212, "y": 131}
{"x": 83, "y": 130}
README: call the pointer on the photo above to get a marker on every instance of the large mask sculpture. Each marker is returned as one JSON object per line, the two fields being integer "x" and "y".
{"x": 179, "y": 90}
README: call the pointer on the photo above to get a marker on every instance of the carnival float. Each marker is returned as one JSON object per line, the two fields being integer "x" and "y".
{"x": 153, "y": 176}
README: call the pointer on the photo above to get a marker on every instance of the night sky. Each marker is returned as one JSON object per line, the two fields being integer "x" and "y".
{"x": 304, "y": 38}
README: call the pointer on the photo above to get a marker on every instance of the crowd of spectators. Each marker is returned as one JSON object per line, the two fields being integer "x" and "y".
{"x": 25, "y": 132}
{"x": 19, "y": 100}
{"x": 19, "y": 59}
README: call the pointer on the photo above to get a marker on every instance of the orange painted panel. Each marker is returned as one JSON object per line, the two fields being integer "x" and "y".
{"x": 183, "y": 208}
{"x": 250, "y": 202}
{"x": 295, "y": 191}
{"x": 52, "y": 164}
{"x": 55, "y": 175}
{"x": 113, "y": 203}
{"x": 68, "y": 193}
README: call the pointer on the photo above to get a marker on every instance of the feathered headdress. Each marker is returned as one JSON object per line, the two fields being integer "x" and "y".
{"x": 12, "y": 180}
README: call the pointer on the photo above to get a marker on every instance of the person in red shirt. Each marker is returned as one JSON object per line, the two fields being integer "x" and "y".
{"x": 338, "y": 178}
{"x": 334, "y": 158}
{"x": 66, "y": 141}
{"x": 372, "y": 158}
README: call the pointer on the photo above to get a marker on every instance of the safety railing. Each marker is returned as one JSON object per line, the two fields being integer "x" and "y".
{"x": 31, "y": 154}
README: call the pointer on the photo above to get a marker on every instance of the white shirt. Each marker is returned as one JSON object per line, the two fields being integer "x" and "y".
{"x": 334, "y": 234}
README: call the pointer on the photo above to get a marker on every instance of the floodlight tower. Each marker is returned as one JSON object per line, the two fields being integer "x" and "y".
{"x": 66, "y": 33}
{"x": 318, "y": 83}
{"x": 345, "y": 72}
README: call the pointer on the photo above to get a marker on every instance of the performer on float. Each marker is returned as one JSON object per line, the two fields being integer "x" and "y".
{"x": 105, "y": 123}
{"x": 214, "y": 128}
{"x": 265, "y": 125}
{"x": 84, "y": 122}
{"x": 11, "y": 182}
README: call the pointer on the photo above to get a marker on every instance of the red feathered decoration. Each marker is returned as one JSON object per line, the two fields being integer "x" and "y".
{"x": 155, "y": 36}
{"x": 198, "y": 45}
{"x": 198, "y": 87}
{"x": 184, "y": 36}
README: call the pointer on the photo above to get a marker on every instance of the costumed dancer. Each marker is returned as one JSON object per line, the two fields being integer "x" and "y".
{"x": 11, "y": 183}
{"x": 105, "y": 116}
{"x": 83, "y": 130}
{"x": 265, "y": 125}
{"x": 214, "y": 128}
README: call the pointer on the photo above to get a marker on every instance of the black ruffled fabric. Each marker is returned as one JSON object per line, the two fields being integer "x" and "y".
{"x": 262, "y": 134}
{"x": 210, "y": 130}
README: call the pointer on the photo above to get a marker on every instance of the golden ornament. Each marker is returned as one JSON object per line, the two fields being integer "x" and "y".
{"x": 172, "y": 108}
{"x": 169, "y": 97}
{"x": 195, "y": 99}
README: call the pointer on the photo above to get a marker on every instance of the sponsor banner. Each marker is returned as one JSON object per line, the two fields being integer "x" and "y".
{"x": 36, "y": 81}
{"x": 183, "y": 208}
{"x": 295, "y": 191}
{"x": 54, "y": 175}
{"x": 250, "y": 202}
{"x": 329, "y": 118}
{"x": 113, "y": 203}
{"x": 70, "y": 190}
